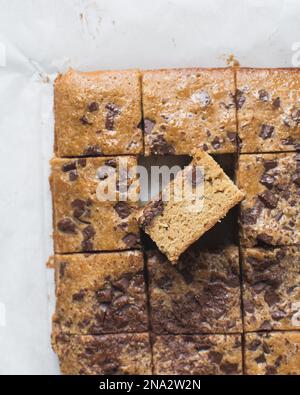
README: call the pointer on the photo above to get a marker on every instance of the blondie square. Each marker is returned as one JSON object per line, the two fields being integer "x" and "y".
{"x": 82, "y": 220}
{"x": 271, "y": 288}
{"x": 272, "y": 353}
{"x": 199, "y": 295}
{"x": 186, "y": 109}
{"x": 268, "y": 109}
{"x": 115, "y": 354}
{"x": 270, "y": 212}
{"x": 100, "y": 293}
{"x": 98, "y": 113}
{"x": 175, "y": 219}
{"x": 197, "y": 354}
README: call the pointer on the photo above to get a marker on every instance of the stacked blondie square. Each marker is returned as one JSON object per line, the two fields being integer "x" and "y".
{"x": 231, "y": 302}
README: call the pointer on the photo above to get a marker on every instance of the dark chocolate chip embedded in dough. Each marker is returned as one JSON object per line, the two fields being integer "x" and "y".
{"x": 296, "y": 179}
{"x": 93, "y": 106}
{"x": 123, "y": 209}
{"x": 73, "y": 175}
{"x": 267, "y": 180}
{"x": 152, "y": 210}
{"x": 159, "y": 146}
{"x": 66, "y": 225}
{"x": 266, "y": 131}
{"x": 271, "y": 297}
{"x": 88, "y": 232}
{"x": 296, "y": 115}
{"x": 81, "y": 162}
{"x": 263, "y": 95}
{"x": 269, "y": 199}
{"x": 215, "y": 357}
{"x": 79, "y": 296}
{"x": 261, "y": 359}
{"x": 239, "y": 98}
{"x": 121, "y": 284}
{"x": 131, "y": 240}
{"x": 264, "y": 238}
{"x": 253, "y": 346}
{"x": 68, "y": 166}
{"x": 270, "y": 370}
{"x": 232, "y": 136}
{"x": 62, "y": 269}
{"x": 85, "y": 121}
{"x": 248, "y": 306}
{"x": 104, "y": 295}
{"x": 229, "y": 368}
{"x": 216, "y": 143}
{"x": 87, "y": 245}
{"x": 148, "y": 125}
{"x": 276, "y": 102}
{"x": 92, "y": 150}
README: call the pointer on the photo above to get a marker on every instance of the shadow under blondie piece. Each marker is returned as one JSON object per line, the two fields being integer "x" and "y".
{"x": 197, "y": 354}
{"x": 271, "y": 288}
{"x": 186, "y": 109}
{"x": 184, "y": 213}
{"x": 100, "y": 293}
{"x": 268, "y": 109}
{"x": 81, "y": 220}
{"x": 272, "y": 353}
{"x": 98, "y": 113}
{"x": 118, "y": 354}
{"x": 199, "y": 295}
{"x": 270, "y": 211}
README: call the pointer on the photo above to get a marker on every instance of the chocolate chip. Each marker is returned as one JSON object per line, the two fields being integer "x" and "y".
{"x": 276, "y": 102}
{"x": 78, "y": 203}
{"x": 263, "y": 95}
{"x": 68, "y": 166}
{"x": 278, "y": 361}
{"x": 267, "y": 180}
{"x": 66, "y": 225}
{"x": 148, "y": 125}
{"x": 62, "y": 269}
{"x": 205, "y": 147}
{"x": 270, "y": 370}
{"x": 204, "y": 98}
{"x": 87, "y": 245}
{"x": 81, "y": 162}
{"x": 261, "y": 359}
{"x": 113, "y": 108}
{"x": 239, "y": 99}
{"x": 248, "y": 306}
{"x": 229, "y": 368}
{"x": 159, "y": 146}
{"x": 121, "y": 284}
{"x": 269, "y": 199}
{"x": 131, "y": 240}
{"x": 232, "y": 136}
{"x": 215, "y": 357}
{"x": 264, "y": 238}
{"x": 73, "y": 175}
{"x": 93, "y": 106}
{"x": 121, "y": 301}
{"x": 296, "y": 179}
{"x": 266, "y": 348}
{"x": 278, "y": 315}
{"x": 266, "y": 325}
{"x": 253, "y": 346}
{"x": 88, "y": 232}
{"x": 271, "y": 297}
{"x": 123, "y": 209}
{"x": 79, "y": 296}
{"x": 216, "y": 143}
{"x": 150, "y": 211}
{"x": 111, "y": 163}
{"x": 296, "y": 116}
{"x": 85, "y": 121}
{"x": 250, "y": 216}
{"x": 113, "y": 111}
{"x": 104, "y": 295}
{"x": 164, "y": 282}
{"x": 266, "y": 131}
{"x": 92, "y": 150}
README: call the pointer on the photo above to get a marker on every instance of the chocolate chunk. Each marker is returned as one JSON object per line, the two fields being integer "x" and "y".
{"x": 92, "y": 150}
{"x": 296, "y": 116}
{"x": 87, "y": 245}
{"x": 267, "y": 180}
{"x": 216, "y": 143}
{"x": 229, "y": 368}
{"x": 148, "y": 125}
{"x": 113, "y": 111}
{"x": 269, "y": 199}
{"x": 68, "y": 166}
{"x": 271, "y": 297}
{"x": 88, "y": 232}
{"x": 150, "y": 211}
{"x": 266, "y": 325}
{"x": 276, "y": 102}
{"x": 278, "y": 315}
{"x": 121, "y": 284}
{"x": 261, "y": 359}
{"x": 296, "y": 179}
{"x": 121, "y": 302}
{"x": 73, "y": 175}
{"x": 264, "y": 238}
{"x": 266, "y": 348}
{"x": 204, "y": 98}
{"x": 253, "y": 346}
{"x": 131, "y": 240}
{"x": 111, "y": 163}
{"x": 215, "y": 357}
{"x": 248, "y": 306}
{"x": 93, "y": 106}
{"x": 160, "y": 146}
{"x": 78, "y": 203}
{"x": 266, "y": 131}
{"x": 270, "y": 370}
{"x": 123, "y": 209}
{"x": 66, "y": 225}
{"x": 79, "y": 296}
{"x": 250, "y": 215}
{"x": 278, "y": 361}
{"x": 263, "y": 95}
{"x": 113, "y": 108}
{"x": 164, "y": 282}
{"x": 232, "y": 136}
{"x": 62, "y": 269}
{"x": 85, "y": 121}
{"x": 239, "y": 98}
{"x": 104, "y": 295}
{"x": 205, "y": 147}
{"x": 81, "y": 162}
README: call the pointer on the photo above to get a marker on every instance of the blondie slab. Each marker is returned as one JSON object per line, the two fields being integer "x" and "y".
{"x": 272, "y": 353}
{"x": 81, "y": 221}
{"x": 268, "y": 109}
{"x": 100, "y": 293}
{"x": 271, "y": 288}
{"x": 199, "y": 295}
{"x": 119, "y": 354}
{"x": 197, "y": 354}
{"x": 270, "y": 212}
{"x": 98, "y": 113}
{"x": 186, "y": 109}
{"x": 175, "y": 220}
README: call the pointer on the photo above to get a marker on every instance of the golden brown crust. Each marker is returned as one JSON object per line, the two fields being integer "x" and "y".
{"x": 98, "y": 113}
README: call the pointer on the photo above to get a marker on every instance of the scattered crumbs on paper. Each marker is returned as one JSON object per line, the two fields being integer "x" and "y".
{"x": 50, "y": 264}
{"x": 232, "y": 61}
{"x": 44, "y": 78}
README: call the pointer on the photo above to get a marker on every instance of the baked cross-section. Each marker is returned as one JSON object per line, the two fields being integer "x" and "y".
{"x": 114, "y": 354}
{"x": 197, "y": 354}
{"x": 199, "y": 295}
{"x": 268, "y": 109}
{"x": 100, "y": 293}
{"x": 186, "y": 109}
{"x": 199, "y": 196}
{"x": 271, "y": 288}
{"x": 272, "y": 353}
{"x": 83, "y": 220}
{"x": 270, "y": 211}
{"x": 98, "y": 113}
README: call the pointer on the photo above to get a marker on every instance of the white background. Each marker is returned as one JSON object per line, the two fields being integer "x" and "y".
{"x": 39, "y": 38}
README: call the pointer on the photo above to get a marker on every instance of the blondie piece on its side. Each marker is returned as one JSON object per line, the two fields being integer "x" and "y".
{"x": 268, "y": 109}
{"x": 271, "y": 288}
{"x": 100, "y": 293}
{"x": 98, "y": 113}
{"x": 197, "y": 354}
{"x": 117, "y": 354}
{"x": 174, "y": 220}
{"x": 186, "y": 109}
{"x": 270, "y": 211}
{"x": 272, "y": 353}
{"x": 82, "y": 221}
{"x": 199, "y": 295}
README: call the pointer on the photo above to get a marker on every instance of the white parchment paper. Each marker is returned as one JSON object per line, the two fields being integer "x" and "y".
{"x": 39, "y": 38}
